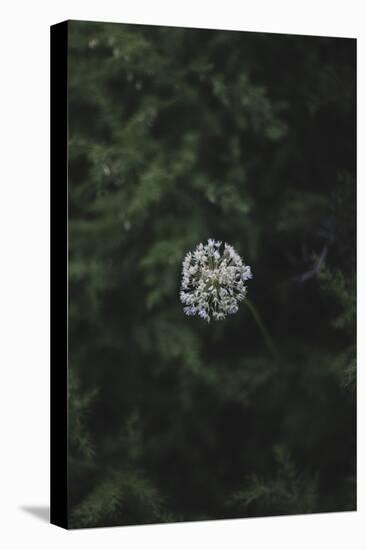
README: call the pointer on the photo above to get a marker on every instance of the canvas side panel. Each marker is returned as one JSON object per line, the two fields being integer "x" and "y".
{"x": 59, "y": 283}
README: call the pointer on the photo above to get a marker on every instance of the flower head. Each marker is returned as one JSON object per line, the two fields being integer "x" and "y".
{"x": 213, "y": 278}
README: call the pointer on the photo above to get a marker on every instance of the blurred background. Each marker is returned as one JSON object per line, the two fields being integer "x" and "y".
{"x": 176, "y": 136}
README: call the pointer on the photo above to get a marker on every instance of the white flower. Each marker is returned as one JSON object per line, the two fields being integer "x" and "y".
{"x": 213, "y": 281}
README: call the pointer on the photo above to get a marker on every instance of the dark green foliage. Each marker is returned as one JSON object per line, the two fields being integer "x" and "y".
{"x": 286, "y": 491}
{"x": 79, "y": 404}
{"x": 125, "y": 497}
{"x": 178, "y": 135}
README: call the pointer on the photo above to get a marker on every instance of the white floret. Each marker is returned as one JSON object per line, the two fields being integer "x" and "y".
{"x": 213, "y": 281}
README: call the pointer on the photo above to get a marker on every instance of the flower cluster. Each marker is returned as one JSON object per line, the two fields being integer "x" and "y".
{"x": 213, "y": 281}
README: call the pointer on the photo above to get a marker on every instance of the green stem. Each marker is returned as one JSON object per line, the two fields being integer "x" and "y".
{"x": 267, "y": 338}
